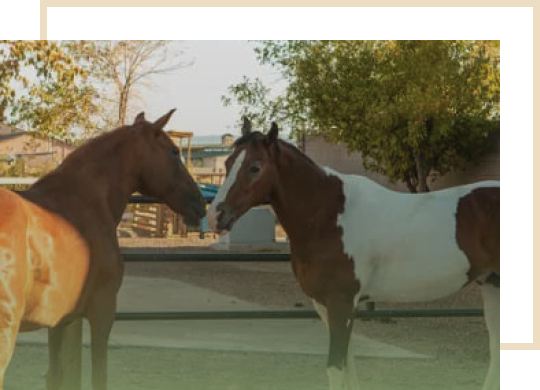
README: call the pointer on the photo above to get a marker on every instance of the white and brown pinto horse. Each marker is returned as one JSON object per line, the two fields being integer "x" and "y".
{"x": 353, "y": 240}
{"x": 59, "y": 255}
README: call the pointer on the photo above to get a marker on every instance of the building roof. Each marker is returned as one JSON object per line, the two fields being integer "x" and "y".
{"x": 13, "y": 156}
{"x": 212, "y": 147}
{"x": 202, "y": 154}
{"x": 5, "y": 128}
{"x": 209, "y": 140}
{"x": 8, "y": 136}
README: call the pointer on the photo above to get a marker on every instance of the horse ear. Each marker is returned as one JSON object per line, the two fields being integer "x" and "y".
{"x": 161, "y": 122}
{"x": 273, "y": 133}
{"x": 139, "y": 118}
{"x": 246, "y": 126}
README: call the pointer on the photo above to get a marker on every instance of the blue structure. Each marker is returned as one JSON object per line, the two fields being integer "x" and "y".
{"x": 209, "y": 192}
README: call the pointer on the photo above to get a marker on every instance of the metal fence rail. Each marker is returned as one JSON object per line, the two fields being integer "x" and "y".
{"x": 291, "y": 314}
{"x": 265, "y": 314}
{"x": 205, "y": 257}
{"x": 249, "y": 257}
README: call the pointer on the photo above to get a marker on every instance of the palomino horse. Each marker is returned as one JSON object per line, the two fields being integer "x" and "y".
{"x": 353, "y": 240}
{"x": 59, "y": 255}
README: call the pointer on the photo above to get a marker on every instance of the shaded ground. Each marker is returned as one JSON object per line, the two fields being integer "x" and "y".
{"x": 458, "y": 345}
{"x": 459, "y": 365}
{"x": 270, "y": 283}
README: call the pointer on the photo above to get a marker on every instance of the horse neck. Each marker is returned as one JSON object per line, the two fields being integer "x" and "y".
{"x": 305, "y": 198}
{"x": 88, "y": 185}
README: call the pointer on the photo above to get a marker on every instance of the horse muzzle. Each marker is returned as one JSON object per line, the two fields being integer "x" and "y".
{"x": 221, "y": 219}
{"x": 194, "y": 212}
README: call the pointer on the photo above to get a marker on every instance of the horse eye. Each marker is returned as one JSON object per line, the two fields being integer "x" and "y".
{"x": 254, "y": 169}
{"x": 175, "y": 152}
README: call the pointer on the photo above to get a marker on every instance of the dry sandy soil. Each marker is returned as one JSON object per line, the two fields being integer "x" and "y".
{"x": 459, "y": 346}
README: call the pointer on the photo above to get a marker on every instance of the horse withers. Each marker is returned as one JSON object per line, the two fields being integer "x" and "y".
{"x": 59, "y": 254}
{"x": 353, "y": 240}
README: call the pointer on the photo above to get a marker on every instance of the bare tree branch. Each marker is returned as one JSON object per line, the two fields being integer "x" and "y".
{"x": 130, "y": 65}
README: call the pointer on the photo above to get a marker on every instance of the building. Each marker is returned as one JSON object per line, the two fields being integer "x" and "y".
{"x": 205, "y": 160}
{"x": 6, "y": 129}
{"x": 227, "y": 139}
{"x": 336, "y": 156}
{"x": 33, "y": 150}
{"x": 208, "y": 160}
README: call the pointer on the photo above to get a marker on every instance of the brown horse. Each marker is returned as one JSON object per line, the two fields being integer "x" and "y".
{"x": 353, "y": 240}
{"x": 59, "y": 255}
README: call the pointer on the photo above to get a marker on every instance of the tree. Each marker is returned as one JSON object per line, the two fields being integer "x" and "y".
{"x": 71, "y": 89}
{"x": 127, "y": 65}
{"x": 43, "y": 89}
{"x": 411, "y": 108}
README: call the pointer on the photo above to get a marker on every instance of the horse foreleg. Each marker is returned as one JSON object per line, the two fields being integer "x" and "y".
{"x": 340, "y": 321}
{"x": 491, "y": 296}
{"x": 101, "y": 317}
{"x": 321, "y": 310}
{"x": 351, "y": 379}
{"x": 350, "y": 371}
{"x": 65, "y": 356}
{"x": 11, "y": 311}
{"x": 9, "y": 328}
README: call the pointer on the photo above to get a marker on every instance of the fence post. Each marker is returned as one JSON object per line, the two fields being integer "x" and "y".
{"x": 161, "y": 221}
{"x": 370, "y": 307}
{"x": 71, "y": 356}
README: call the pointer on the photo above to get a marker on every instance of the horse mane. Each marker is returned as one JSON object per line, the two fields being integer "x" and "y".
{"x": 298, "y": 153}
{"x": 256, "y": 137}
{"x": 252, "y": 137}
{"x": 98, "y": 145}
{"x": 91, "y": 150}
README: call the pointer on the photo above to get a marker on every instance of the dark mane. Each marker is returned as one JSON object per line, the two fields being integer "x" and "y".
{"x": 253, "y": 137}
{"x": 298, "y": 152}
{"x": 257, "y": 137}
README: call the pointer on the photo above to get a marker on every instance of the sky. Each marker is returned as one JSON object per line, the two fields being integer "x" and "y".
{"x": 196, "y": 91}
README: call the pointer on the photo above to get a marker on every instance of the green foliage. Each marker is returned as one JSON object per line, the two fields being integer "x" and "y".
{"x": 42, "y": 88}
{"x": 410, "y": 107}
{"x": 72, "y": 89}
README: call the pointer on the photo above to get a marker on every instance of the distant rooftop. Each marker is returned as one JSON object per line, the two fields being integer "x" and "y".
{"x": 8, "y": 136}
{"x": 6, "y": 129}
{"x": 201, "y": 154}
{"x": 208, "y": 140}
{"x": 19, "y": 133}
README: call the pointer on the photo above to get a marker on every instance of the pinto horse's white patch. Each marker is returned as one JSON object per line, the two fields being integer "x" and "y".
{"x": 212, "y": 214}
{"x": 403, "y": 245}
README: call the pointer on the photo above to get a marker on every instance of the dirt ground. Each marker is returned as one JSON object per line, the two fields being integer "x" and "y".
{"x": 168, "y": 369}
{"x": 458, "y": 345}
